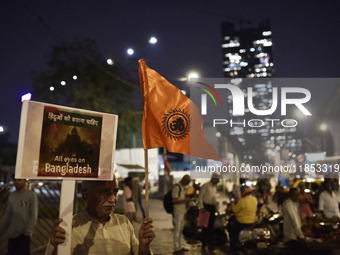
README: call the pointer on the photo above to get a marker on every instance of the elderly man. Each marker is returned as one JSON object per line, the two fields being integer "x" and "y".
{"x": 96, "y": 230}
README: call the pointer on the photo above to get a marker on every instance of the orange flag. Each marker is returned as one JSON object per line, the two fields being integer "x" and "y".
{"x": 170, "y": 119}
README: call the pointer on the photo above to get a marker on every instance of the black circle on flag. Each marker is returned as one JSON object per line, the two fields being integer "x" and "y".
{"x": 176, "y": 124}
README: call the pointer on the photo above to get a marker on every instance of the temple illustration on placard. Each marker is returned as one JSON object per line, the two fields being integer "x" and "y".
{"x": 70, "y": 144}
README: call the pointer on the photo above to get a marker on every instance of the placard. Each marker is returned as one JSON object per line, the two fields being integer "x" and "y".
{"x": 57, "y": 142}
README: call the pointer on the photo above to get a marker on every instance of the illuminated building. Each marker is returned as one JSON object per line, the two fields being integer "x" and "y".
{"x": 248, "y": 53}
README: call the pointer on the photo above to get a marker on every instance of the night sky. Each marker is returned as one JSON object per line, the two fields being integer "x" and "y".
{"x": 305, "y": 37}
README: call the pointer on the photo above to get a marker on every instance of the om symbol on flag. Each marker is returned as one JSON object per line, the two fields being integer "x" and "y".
{"x": 176, "y": 124}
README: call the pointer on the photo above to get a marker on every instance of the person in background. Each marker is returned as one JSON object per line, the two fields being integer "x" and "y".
{"x": 244, "y": 215}
{"x": 316, "y": 196}
{"x": 140, "y": 187}
{"x": 237, "y": 190}
{"x": 180, "y": 207}
{"x": 279, "y": 195}
{"x": 21, "y": 216}
{"x": 229, "y": 188}
{"x": 305, "y": 202}
{"x": 292, "y": 233}
{"x": 261, "y": 195}
{"x": 335, "y": 184}
{"x": 329, "y": 202}
{"x": 207, "y": 203}
{"x": 129, "y": 205}
{"x": 97, "y": 230}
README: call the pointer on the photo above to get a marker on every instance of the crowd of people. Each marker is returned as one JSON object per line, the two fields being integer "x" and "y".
{"x": 95, "y": 230}
{"x": 246, "y": 202}
{"x": 98, "y": 230}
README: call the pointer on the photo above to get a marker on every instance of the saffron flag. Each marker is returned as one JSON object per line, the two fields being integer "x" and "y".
{"x": 170, "y": 118}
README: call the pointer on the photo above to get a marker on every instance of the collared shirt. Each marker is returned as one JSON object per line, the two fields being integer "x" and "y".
{"x": 92, "y": 238}
{"x": 291, "y": 221}
{"x": 179, "y": 192}
{"x": 207, "y": 195}
{"x": 329, "y": 204}
{"x": 245, "y": 210}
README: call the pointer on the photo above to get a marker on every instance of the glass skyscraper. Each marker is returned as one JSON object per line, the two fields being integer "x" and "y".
{"x": 248, "y": 53}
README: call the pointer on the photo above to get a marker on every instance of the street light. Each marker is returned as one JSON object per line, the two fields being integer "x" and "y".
{"x": 323, "y": 127}
{"x": 109, "y": 62}
{"x": 25, "y": 97}
{"x": 153, "y": 40}
{"x": 192, "y": 75}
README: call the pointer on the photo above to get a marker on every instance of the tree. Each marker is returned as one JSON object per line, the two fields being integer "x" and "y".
{"x": 90, "y": 83}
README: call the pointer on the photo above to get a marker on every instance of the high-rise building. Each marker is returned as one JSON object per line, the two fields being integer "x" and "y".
{"x": 248, "y": 53}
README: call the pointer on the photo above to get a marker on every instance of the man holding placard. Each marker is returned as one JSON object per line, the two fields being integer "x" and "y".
{"x": 97, "y": 230}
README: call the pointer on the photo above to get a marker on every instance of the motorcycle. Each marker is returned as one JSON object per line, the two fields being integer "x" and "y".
{"x": 263, "y": 235}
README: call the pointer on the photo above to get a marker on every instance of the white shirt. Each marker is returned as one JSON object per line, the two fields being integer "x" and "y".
{"x": 92, "y": 238}
{"x": 291, "y": 221}
{"x": 329, "y": 204}
{"x": 207, "y": 195}
{"x": 179, "y": 192}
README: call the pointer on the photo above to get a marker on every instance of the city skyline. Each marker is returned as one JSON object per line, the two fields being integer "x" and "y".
{"x": 188, "y": 34}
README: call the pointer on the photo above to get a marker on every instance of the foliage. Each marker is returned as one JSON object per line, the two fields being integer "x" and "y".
{"x": 97, "y": 86}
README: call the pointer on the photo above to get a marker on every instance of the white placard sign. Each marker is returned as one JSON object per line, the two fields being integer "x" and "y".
{"x": 57, "y": 142}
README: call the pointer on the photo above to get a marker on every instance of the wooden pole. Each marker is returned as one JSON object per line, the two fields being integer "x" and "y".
{"x": 146, "y": 183}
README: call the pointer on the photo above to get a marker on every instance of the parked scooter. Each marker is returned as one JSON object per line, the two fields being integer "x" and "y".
{"x": 261, "y": 237}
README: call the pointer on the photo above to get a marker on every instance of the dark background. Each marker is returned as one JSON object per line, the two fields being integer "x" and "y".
{"x": 306, "y": 37}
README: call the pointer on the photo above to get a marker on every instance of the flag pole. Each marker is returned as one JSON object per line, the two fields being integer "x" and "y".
{"x": 146, "y": 183}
